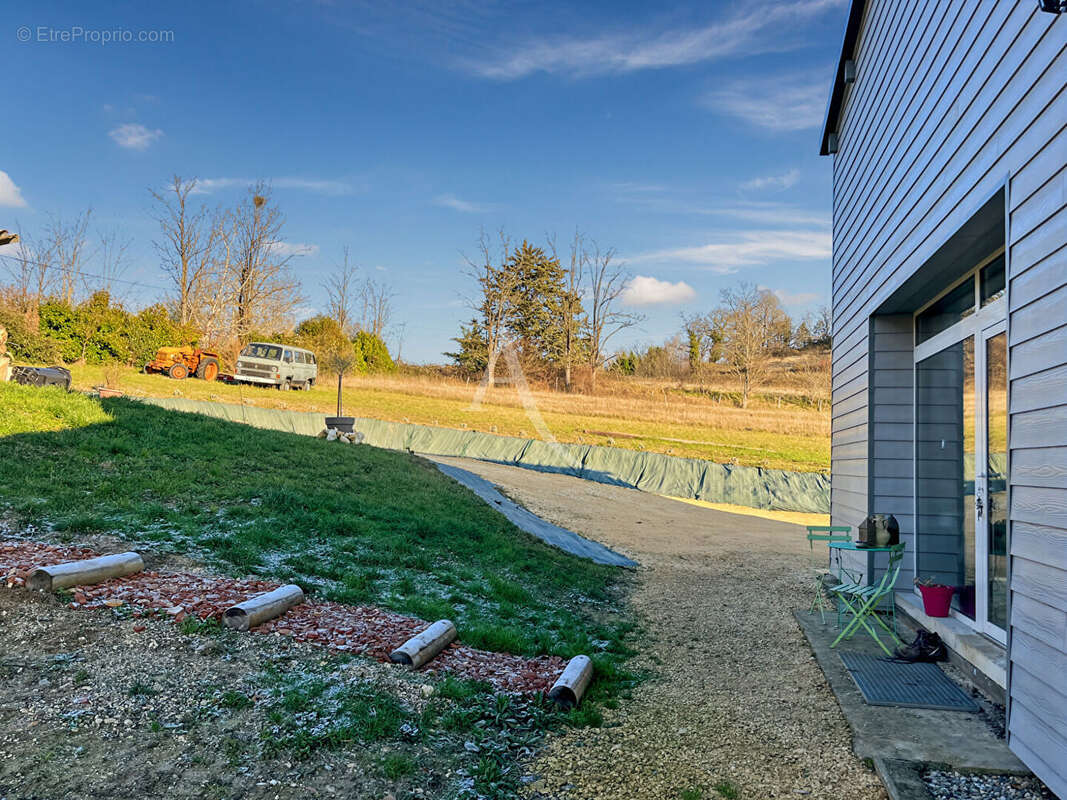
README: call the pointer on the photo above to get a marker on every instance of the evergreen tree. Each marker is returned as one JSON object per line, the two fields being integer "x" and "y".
{"x": 538, "y": 304}
{"x": 529, "y": 299}
{"x": 473, "y": 354}
{"x": 693, "y": 348}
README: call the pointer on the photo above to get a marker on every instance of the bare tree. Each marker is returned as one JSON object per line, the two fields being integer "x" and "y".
{"x": 31, "y": 270}
{"x": 341, "y": 291}
{"x": 377, "y": 299}
{"x": 400, "y": 331}
{"x": 822, "y": 326}
{"x": 186, "y": 247}
{"x": 814, "y": 376}
{"x": 66, "y": 245}
{"x": 212, "y": 302}
{"x": 499, "y": 287}
{"x": 749, "y": 321}
{"x": 264, "y": 290}
{"x": 606, "y": 283}
{"x": 571, "y": 321}
{"x": 113, "y": 261}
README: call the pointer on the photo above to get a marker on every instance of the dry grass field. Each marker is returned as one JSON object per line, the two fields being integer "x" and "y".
{"x": 783, "y": 427}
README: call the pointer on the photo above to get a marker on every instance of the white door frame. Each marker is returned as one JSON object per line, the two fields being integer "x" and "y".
{"x": 981, "y": 482}
{"x": 986, "y": 321}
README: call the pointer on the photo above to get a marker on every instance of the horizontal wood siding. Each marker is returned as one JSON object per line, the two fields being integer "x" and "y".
{"x": 892, "y": 483}
{"x": 952, "y": 100}
{"x": 1038, "y": 406}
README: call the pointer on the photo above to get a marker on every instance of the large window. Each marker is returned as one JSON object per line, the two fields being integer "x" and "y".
{"x": 946, "y": 312}
{"x": 961, "y": 413}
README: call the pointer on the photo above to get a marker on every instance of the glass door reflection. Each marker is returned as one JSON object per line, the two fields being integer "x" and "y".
{"x": 945, "y": 471}
{"x": 995, "y": 516}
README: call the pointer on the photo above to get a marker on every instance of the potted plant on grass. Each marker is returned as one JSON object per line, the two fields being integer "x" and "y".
{"x": 341, "y": 362}
{"x": 937, "y": 597}
{"x": 112, "y": 374}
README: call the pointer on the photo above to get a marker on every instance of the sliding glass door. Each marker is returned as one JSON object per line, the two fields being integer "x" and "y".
{"x": 961, "y": 448}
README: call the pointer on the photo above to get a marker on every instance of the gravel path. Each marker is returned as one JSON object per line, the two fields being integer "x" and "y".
{"x": 954, "y": 786}
{"x": 737, "y": 705}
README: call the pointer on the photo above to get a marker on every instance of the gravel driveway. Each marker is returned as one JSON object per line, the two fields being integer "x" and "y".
{"x": 737, "y": 706}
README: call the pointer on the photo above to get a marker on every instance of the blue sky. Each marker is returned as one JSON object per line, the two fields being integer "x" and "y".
{"x": 682, "y": 135}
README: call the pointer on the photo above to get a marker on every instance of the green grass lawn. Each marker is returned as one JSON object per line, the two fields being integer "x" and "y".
{"x": 350, "y": 523}
{"x": 807, "y": 448}
{"x": 354, "y": 524}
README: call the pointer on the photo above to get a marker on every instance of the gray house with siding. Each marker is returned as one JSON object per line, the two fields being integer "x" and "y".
{"x": 947, "y": 126}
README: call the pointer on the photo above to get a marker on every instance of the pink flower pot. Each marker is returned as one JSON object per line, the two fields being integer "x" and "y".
{"x": 937, "y": 599}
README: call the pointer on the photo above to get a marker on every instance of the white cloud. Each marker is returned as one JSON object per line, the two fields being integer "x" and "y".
{"x": 773, "y": 182}
{"x": 775, "y": 104}
{"x": 777, "y": 214}
{"x": 745, "y": 33}
{"x": 10, "y": 194}
{"x": 134, "y": 136}
{"x": 746, "y": 248}
{"x": 458, "y": 204}
{"x": 327, "y": 187}
{"x": 793, "y": 298}
{"x": 763, "y": 212}
{"x": 644, "y": 290}
{"x": 294, "y": 249}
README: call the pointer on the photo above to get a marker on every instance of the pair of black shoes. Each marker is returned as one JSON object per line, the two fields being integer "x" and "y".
{"x": 926, "y": 647}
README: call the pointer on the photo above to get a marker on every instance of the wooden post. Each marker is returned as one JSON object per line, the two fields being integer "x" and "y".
{"x": 81, "y": 573}
{"x": 419, "y": 649}
{"x": 568, "y": 689}
{"x": 257, "y": 610}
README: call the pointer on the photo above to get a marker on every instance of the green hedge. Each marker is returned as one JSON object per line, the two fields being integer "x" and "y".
{"x": 100, "y": 332}
{"x": 374, "y": 353}
{"x": 26, "y": 344}
{"x": 96, "y": 330}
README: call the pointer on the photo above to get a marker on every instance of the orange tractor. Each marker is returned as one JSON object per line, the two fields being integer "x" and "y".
{"x": 181, "y": 362}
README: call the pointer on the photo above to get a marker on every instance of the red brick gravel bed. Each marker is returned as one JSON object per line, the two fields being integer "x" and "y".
{"x": 364, "y": 630}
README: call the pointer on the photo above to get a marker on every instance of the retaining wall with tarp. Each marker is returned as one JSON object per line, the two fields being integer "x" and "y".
{"x": 773, "y": 489}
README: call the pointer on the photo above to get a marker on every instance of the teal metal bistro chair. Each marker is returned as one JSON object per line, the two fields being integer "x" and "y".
{"x": 862, "y": 602}
{"x": 823, "y": 533}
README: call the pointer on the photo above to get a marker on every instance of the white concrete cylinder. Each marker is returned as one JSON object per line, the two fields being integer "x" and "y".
{"x": 568, "y": 689}
{"x": 257, "y": 610}
{"x": 419, "y": 649}
{"x": 85, "y": 572}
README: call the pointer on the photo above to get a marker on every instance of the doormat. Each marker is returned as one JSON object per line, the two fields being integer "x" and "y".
{"x": 918, "y": 685}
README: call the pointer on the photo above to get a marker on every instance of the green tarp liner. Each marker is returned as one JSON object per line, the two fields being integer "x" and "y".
{"x": 773, "y": 489}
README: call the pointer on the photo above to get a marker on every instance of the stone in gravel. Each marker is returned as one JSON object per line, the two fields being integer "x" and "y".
{"x": 208, "y": 648}
{"x": 946, "y": 785}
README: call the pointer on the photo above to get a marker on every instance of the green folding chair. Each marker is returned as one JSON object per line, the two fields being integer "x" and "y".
{"x": 823, "y": 533}
{"x": 862, "y": 601}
